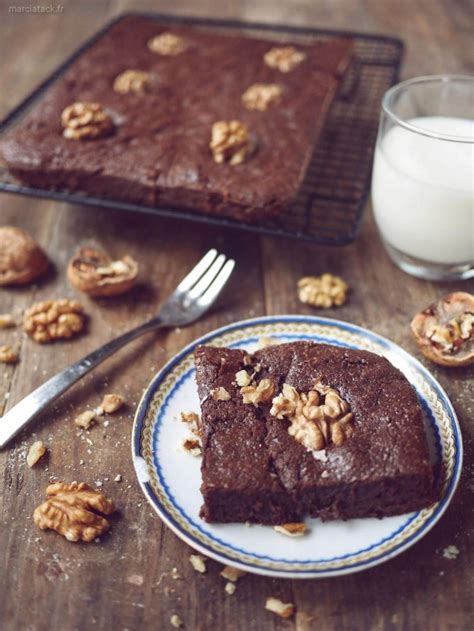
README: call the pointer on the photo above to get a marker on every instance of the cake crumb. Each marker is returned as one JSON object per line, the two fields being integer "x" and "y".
{"x": 175, "y": 575}
{"x": 176, "y": 621}
{"x": 198, "y": 562}
{"x": 275, "y": 605}
{"x": 230, "y": 588}
{"x": 451, "y": 552}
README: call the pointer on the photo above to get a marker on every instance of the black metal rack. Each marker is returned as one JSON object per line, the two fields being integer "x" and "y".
{"x": 329, "y": 206}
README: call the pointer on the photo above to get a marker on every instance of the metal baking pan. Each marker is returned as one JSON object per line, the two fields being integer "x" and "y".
{"x": 328, "y": 208}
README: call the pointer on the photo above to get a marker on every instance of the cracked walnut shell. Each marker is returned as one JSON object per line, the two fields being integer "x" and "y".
{"x": 86, "y": 121}
{"x": 54, "y": 319}
{"x": 167, "y": 44}
{"x": 74, "y": 511}
{"x": 231, "y": 142}
{"x": 96, "y": 274}
{"x": 136, "y": 81}
{"x": 284, "y": 58}
{"x": 444, "y": 331}
{"x": 260, "y": 96}
{"x": 21, "y": 258}
{"x": 323, "y": 291}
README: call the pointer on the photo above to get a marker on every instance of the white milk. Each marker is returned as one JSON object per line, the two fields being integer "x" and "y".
{"x": 423, "y": 191}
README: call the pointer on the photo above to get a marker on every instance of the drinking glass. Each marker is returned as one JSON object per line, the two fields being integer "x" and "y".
{"x": 423, "y": 176}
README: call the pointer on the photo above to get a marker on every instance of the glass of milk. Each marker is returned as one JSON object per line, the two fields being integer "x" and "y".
{"x": 423, "y": 176}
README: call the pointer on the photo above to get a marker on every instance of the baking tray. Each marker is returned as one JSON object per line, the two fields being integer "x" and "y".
{"x": 328, "y": 208}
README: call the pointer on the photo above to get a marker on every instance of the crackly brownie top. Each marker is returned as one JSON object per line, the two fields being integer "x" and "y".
{"x": 383, "y": 436}
{"x": 163, "y": 106}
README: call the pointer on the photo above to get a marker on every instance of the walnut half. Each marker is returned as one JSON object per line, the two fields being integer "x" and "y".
{"x": 284, "y": 58}
{"x": 21, "y": 258}
{"x": 54, "y": 319}
{"x": 86, "y": 121}
{"x": 74, "y": 511}
{"x": 260, "y": 96}
{"x": 135, "y": 81}
{"x": 231, "y": 142}
{"x": 96, "y": 274}
{"x": 167, "y": 44}
{"x": 317, "y": 418}
{"x": 323, "y": 291}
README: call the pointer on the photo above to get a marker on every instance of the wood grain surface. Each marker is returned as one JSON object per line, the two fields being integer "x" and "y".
{"x": 124, "y": 582}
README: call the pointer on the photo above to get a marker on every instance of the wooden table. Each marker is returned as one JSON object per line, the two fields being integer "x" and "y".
{"x": 124, "y": 581}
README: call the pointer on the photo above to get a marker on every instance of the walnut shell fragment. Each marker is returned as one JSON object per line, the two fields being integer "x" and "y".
{"x": 444, "y": 331}
{"x": 21, "y": 258}
{"x": 96, "y": 274}
{"x": 74, "y": 511}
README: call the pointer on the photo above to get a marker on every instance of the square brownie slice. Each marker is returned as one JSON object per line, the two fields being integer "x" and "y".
{"x": 260, "y": 461}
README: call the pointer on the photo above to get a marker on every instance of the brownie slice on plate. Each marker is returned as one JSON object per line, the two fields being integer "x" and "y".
{"x": 309, "y": 429}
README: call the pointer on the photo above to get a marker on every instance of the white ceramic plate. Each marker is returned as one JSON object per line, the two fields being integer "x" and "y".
{"x": 170, "y": 477}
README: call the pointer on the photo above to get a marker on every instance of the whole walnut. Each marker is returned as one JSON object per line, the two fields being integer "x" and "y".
{"x": 21, "y": 258}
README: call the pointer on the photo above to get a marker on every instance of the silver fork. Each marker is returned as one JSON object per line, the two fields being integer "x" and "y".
{"x": 191, "y": 299}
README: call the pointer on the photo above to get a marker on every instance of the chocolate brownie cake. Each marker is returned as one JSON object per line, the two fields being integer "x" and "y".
{"x": 308, "y": 429}
{"x": 180, "y": 116}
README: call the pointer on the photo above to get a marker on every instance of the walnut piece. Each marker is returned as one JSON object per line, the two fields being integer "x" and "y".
{"x": 260, "y": 96}
{"x": 323, "y": 291}
{"x": 220, "y": 394}
{"x": 54, "y": 319}
{"x": 167, "y": 44}
{"x": 232, "y": 573}
{"x": 284, "y": 58}
{"x": 444, "y": 331}
{"x": 35, "y": 453}
{"x": 8, "y": 355}
{"x": 292, "y": 529}
{"x": 198, "y": 562}
{"x": 190, "y": 417}
{"x": 74, "y": 511}
{"x": 231, "y": 142}
{"x": 176, "y": 621}
{"x": 258, "y": 393}
{"x": 111, "y": 403}
{"x": 136, "y": 81}
{"x": 21, "y": 258}
{"x": 230, "y": 588}
{"x": 242, "y": 378}
{"x": 275, "y": 605}
{"x": 86, "y": 419}
{"x": 86, "y": 121}
{"x": 192, "y": 446}
{"x": 6, "y": 321}
{"x": 317, "y": 418}
{"x": 96, "y": 274}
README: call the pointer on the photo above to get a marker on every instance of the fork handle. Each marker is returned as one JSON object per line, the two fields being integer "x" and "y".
{"x": 28, "y": 408}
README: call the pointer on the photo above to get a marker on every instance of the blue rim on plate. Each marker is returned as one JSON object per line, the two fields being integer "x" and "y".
{"x": 152, "y": 411}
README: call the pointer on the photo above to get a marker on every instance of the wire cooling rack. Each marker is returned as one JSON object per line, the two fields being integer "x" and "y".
{"x": 328, "y": 208}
